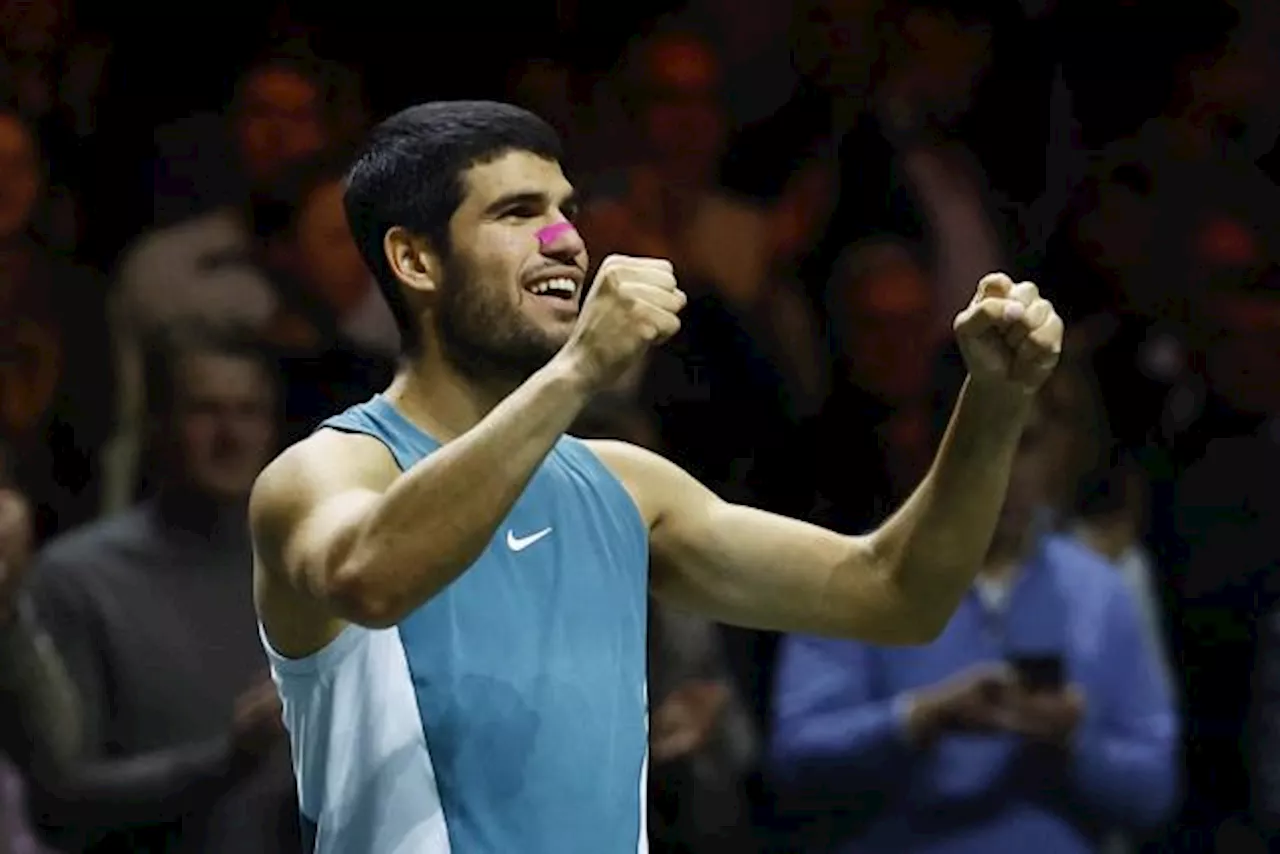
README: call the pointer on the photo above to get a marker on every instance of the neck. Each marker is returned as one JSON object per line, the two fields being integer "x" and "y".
{"x": 436, "y": 397}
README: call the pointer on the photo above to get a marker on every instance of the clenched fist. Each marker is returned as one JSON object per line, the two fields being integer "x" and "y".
{"x": 1009, "y": 335}
{"x": 631, "y": 307}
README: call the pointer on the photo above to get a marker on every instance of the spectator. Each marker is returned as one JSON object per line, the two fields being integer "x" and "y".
{"x": 305, "y": 245}
{"x": 52, "y": 72}
{"x": 335, "y": 332}
{"x": 152, "y": 611}
{"x": 55, "y": 367}
{"x": 881, "y": 313}
{"x": 204, "y": 268}
{"x": 945, "y": 749}
{"x": 196, "y": 267}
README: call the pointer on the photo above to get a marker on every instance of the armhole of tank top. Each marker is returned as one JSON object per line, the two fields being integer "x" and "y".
{"x": 324, "y": 660}
{"x": 620, "y": 488}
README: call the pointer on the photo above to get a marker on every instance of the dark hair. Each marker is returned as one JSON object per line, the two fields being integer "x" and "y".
{"x": 409, "y": 174}
{"x": 276, "y": 208}
{"x": 165, "y": 349}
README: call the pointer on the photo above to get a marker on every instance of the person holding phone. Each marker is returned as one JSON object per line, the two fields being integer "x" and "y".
{"x": 1038, "y": 721}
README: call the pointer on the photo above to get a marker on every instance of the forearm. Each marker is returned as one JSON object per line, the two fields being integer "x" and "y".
{"x": 440, "y": 516}
{"x": 110, "y": 794}
{"x": 35, "y": 684}
{"x": 933, "y": 546}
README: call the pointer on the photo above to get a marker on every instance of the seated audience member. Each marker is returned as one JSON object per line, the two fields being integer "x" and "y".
{"x": 1039, "y": 721}
{"x": 335, "y": 332}
{"x": 287, "y": 107}
{"x": 56, "y": 380}
{"x": 152, "y": 611}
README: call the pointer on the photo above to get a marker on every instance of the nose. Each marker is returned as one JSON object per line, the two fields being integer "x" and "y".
{"x": 561, "y": 241}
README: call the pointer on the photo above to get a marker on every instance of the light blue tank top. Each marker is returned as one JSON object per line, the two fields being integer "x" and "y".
{"x": 507, "y": 714}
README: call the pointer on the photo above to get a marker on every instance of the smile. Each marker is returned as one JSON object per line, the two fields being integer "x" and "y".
{"x": 561, "y": 288}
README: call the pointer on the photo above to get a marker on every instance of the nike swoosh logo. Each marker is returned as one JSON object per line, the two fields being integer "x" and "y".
{"x": 519, "y": 544}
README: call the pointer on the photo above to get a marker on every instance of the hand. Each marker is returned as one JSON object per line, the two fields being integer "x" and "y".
{"x": 631, "y": 307}
{"x": 257, "y": 723}
{"x": 15, "y": 548}
{"x": 974, "y": 701}
{"x": 1050, "y": 717}
{"x": 684, "y": 720}
{"x": 1010, "y": 337}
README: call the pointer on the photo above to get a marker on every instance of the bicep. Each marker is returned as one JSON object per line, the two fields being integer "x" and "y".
{"x": 320, "y": 540}
{"x": 307, "y": 513}
{"x": 746, "y": 566}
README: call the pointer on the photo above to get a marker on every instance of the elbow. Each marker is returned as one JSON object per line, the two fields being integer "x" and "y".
{"x": 357, "y": 597}
{"x": 911, "y": 619}
{"x": 919, "y": 627}
{"x": 915, "y": 607}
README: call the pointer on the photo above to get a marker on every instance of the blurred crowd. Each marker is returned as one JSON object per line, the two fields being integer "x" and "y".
{"x": 830, "y": 178}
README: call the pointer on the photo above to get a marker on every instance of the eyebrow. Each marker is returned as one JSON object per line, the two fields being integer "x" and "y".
{"x": 530, "y": 197}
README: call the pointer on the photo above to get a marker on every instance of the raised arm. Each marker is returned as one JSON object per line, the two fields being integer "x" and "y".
{"x": 900, "y": 583}
{"x": 335, "y": 521}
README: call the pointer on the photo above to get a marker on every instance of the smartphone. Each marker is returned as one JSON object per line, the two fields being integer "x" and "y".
{"x": 1038, "y": 672}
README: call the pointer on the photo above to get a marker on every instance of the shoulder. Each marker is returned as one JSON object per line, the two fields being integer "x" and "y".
{"x": 181, "y": 243}
{"x": 1077, "y": 561}
{"x": 216, "y": 227}
{"x": 87, "y": 556}
{"x": 325, "y": 465}
{"x": 1093, "y": 581}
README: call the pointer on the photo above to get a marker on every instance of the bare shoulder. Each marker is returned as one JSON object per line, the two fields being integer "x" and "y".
{"x": 325, "y": 464}
{"x": 656, "y": 484}
{"x": 306, "y": 506}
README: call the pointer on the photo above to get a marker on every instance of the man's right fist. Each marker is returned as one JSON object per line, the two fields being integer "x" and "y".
{"x": 632, "y": 306}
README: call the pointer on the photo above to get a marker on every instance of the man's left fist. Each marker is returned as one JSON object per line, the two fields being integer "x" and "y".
{"x": 1009, "y": 335}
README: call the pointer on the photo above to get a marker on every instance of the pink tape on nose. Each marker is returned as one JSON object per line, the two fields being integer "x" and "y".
{"x": 552, "y": 233}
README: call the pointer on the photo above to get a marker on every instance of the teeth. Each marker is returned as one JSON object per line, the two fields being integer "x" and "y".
{"x": 560, "y": 287}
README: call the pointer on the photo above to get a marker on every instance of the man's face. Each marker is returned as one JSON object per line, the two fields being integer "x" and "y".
{"x": 681, "y": 115}
{"x": 941, "y": 64}
{"x": 19, "y": 176}
{"x": 279, "y": 122}
{"x": 888, "y": 318}
{"x": 489, "y": 322}
{"x": 223, "y": 424}
{"x": 326, "y": 254}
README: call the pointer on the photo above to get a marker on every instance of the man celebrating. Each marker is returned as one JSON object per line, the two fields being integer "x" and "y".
{"x": 452, "y": 591}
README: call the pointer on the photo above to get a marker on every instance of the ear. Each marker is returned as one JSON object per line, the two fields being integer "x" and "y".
{"x": 412, "y": 259}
